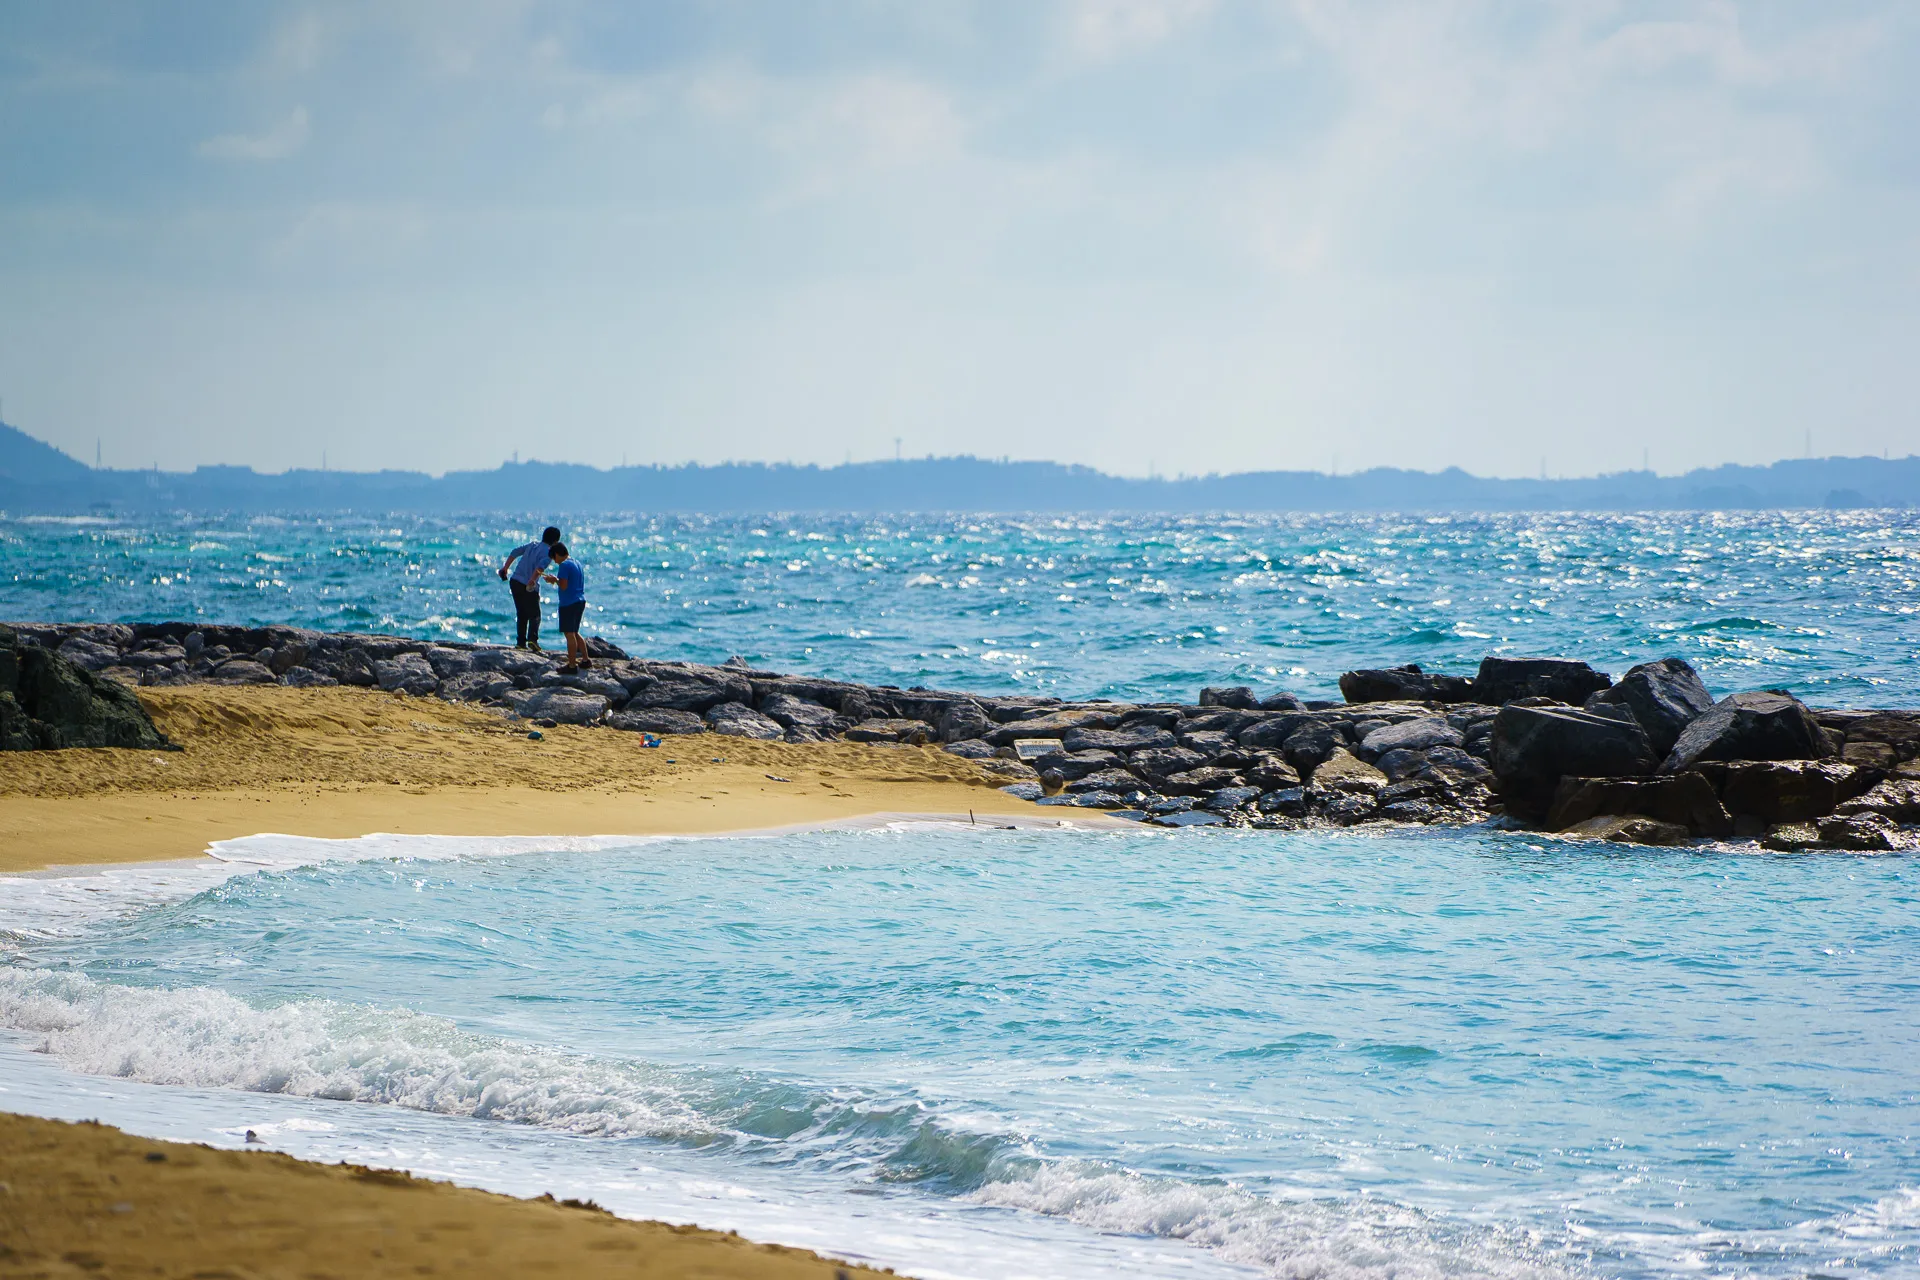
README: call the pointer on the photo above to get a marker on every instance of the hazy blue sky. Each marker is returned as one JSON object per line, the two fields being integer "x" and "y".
{"x": 1186, "y": 234}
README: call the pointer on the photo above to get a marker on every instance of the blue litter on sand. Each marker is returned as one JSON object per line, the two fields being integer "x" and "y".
{"x": 648, "y": 740}
{"x": 534, "y": 734}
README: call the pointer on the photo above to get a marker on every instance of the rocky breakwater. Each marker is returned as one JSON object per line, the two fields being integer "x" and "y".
{"x": 1529, "y": 742}
{"x": 48, "y": 702}
{"x": 1655, "y": 759}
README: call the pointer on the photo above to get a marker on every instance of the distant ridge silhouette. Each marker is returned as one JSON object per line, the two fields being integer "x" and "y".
{"x": 36, "y": 478}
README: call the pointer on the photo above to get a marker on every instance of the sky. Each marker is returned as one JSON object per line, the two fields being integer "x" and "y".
{"x": 1153, "y": 236}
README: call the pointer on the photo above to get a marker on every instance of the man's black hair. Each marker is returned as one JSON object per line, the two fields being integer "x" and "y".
{"x": 551, "y": 535}
{"x": 558, "y": 551}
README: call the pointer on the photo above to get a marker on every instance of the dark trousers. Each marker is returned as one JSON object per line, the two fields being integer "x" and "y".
{"x": 526, "y": 612}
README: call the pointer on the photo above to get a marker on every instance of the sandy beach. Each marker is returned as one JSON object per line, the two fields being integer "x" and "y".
{"x": 89, "y": 1200}
{"x": 345, "y": 762}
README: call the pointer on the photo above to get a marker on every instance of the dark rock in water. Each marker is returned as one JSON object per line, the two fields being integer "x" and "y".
{"x": 1308, "y": 747}
{"x": 1173, "y": 804}
{"x": 1404, "y": 684}
{"x": 47, "y": 703}
{"x": 1228, "y": 799}
{"x": 1861, "y": 833}
{"x": 1408, "y": 735}
{"x": 1629, "y": 830}
{"x": 1191, "y": 818}
{"x": 1420, "y": 811}
{"x": 1345, "y": 809}
{"x": 1456, "y": 763}
{"x": 1237, "y": 696}
{"x": 738, "y": 720}
{"x": 970, "y": 749}
{"x": 1790, "y": 790}
{"x": 1685, "y": 799}
{"x": 1136, "y": 737}
{"x": 1792, "y": 837}
{"x": 1896, "y": 798}
{"x": 1750, "y": 726}
{"x": 1664, "y": 696}
{"x": 1535, "y": 746}
{"x": 1501, "y": 680}
{"x": 1288, "y": 801}
{"x": 657, "y": 720}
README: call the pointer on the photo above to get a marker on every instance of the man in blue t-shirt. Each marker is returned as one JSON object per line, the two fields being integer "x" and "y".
{"x": 524, "y": 580}
{"x": 572, "y": 581}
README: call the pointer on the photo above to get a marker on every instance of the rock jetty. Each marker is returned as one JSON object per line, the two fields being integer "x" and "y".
{"x": 1527, "y": 742}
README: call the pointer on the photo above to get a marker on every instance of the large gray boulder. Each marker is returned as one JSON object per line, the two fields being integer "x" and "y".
{"x": 687, "y": 690}
{"x": 1664, "y": 696}
{"x": 1684, "y": 798}
{"x": 1133, "y": 737}
{"x": 790, "y": 712}
{"x": 1404, "y": 684}
{"x": 657, "y": 720}
{"x": 562, "y": 706}
{"x": 1409, "y": 735}
{"x": 1791, "y": 790}
{"x": 1502, "y": 680}
{"x": 48, "y": 702}
{"x": 409, "y": 673}
{"x": 1749, "y": 726}
{"x": 1534, "y": 747}
{"x": 738, "y": 720}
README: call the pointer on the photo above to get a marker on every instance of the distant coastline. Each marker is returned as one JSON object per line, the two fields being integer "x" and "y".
{"x": 37, "y": 479}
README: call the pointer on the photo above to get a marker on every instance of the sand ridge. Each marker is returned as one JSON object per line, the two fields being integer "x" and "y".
{"x": 88, "y": 1200}
{"x": 342, "y": 762}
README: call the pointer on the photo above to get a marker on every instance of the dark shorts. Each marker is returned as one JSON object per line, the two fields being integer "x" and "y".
{"x": 570, "y": 617}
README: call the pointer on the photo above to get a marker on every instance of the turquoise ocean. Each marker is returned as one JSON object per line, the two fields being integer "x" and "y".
{"x": 970, "y": 1051}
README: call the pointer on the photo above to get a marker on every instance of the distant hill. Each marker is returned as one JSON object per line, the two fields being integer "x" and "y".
{"x": 37, "y": 478}
{"x": 24, "y": 460}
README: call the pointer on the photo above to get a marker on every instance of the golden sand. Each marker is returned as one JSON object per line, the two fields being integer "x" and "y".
{"x": 86, "y": 1200}
{"x": 346, "y": 762}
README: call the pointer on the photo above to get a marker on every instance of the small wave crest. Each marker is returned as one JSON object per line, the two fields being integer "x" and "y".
{"x": 1336, "y": 1238}
{"x": 204, "y": 1038}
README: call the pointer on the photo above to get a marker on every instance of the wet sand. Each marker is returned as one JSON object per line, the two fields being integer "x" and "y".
{"x": 345, "y": 762}
{"x": 87, "y": 1200}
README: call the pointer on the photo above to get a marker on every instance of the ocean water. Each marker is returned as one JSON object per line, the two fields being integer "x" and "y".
{"x": 1820, "y": 603}
{"x": 984, "y": 1052}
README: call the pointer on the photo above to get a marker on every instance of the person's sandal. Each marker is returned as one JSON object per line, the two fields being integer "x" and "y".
{"x": 586, "y": 663}
{"x": 567, "y": 668}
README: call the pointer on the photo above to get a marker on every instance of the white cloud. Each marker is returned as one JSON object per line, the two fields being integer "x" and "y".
{"x": 277, "y": 143}
{"x": 1103, "y": 29}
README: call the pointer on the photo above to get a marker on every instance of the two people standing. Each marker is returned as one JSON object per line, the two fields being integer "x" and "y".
{"x": 523, "y": 570}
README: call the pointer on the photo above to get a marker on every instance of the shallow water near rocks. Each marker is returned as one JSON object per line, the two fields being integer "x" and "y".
{"x": 988, "y": 1053}
{"x": 1131, "y": 607}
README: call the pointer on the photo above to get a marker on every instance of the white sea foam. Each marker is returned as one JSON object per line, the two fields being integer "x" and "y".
{"x": 321, "y": 1049}
{"x": 1345, "y": 1238}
